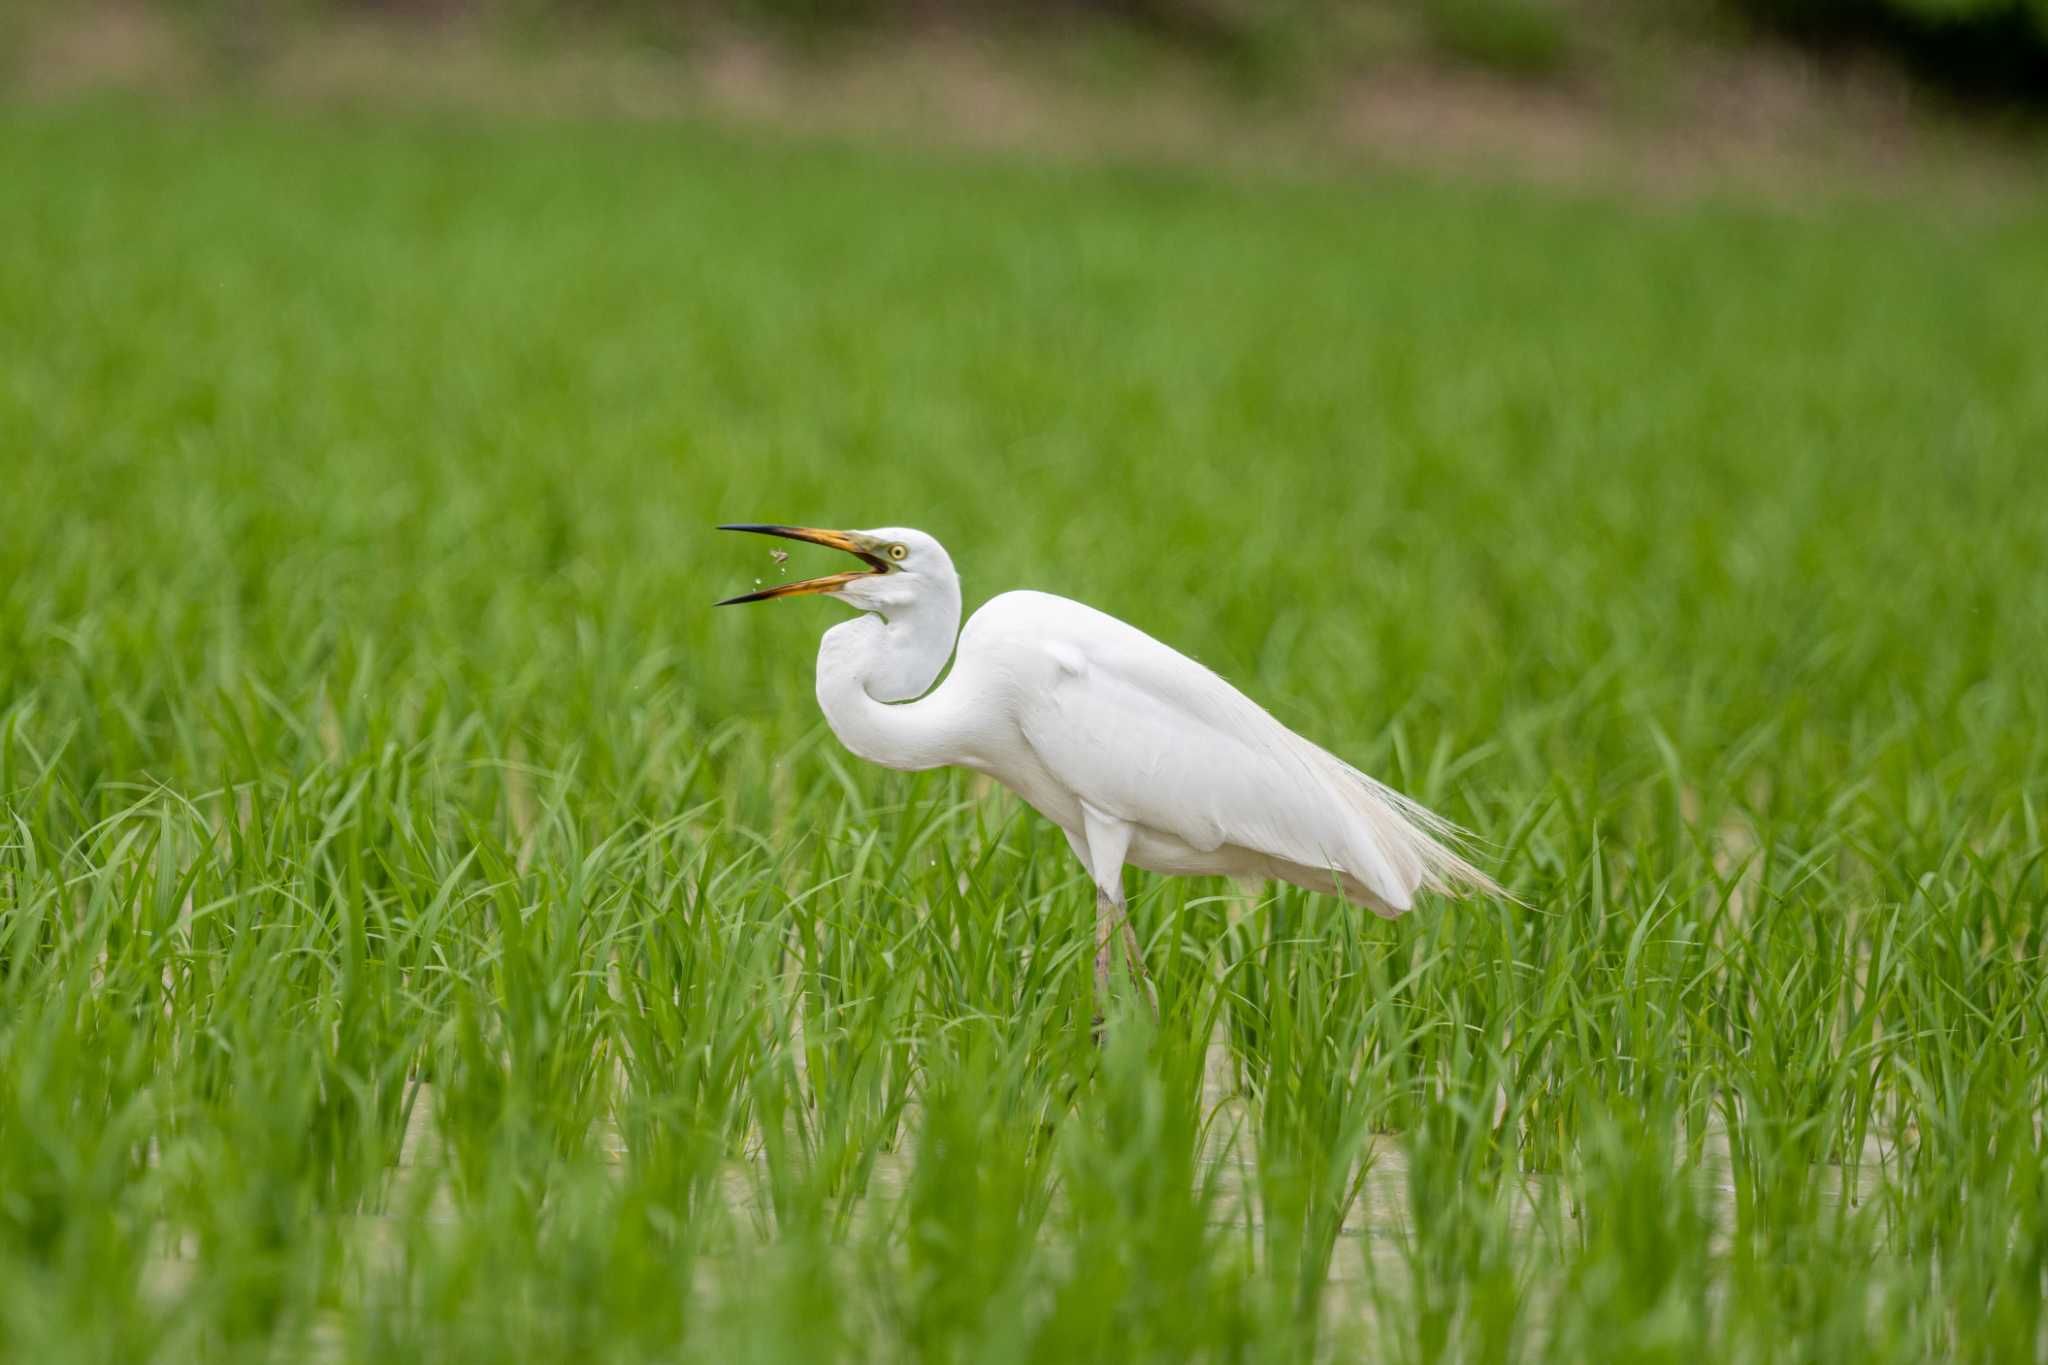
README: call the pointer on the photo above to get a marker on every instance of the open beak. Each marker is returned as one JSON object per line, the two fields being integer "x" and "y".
{"x": 850, "y": 541}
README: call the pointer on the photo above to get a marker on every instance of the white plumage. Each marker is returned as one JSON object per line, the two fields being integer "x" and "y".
{"x": 1140, "y": 754}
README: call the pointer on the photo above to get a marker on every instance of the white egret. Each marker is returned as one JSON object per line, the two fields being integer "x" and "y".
{"x": 1138, "y": 753}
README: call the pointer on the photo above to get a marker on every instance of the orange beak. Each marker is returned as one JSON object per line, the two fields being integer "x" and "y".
{"x": 850, "y": 541}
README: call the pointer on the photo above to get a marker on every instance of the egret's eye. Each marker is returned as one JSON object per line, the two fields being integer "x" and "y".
{"x": 898, "y": 552}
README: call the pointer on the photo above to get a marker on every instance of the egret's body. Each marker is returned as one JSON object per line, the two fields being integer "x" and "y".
{"x": 1140, "y": 754}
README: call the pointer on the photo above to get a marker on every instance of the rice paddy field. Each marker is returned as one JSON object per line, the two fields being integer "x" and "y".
{"x": 429, "y": 932}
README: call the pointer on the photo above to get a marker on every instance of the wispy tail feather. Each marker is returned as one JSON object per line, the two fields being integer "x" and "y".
{"x": 1420, "y": 842}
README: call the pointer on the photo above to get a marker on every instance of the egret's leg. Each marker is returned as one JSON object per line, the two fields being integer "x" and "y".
{"x": 1105, "y": 931}
{"x": 1111, "y": 924}
{"x": 1103, "y": 843}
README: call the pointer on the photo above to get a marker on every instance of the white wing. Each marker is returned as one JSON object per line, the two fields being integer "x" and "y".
{"x": 1148, "y": 736}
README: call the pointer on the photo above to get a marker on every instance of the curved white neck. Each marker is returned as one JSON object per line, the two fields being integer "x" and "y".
{"x": 868, "y": 663}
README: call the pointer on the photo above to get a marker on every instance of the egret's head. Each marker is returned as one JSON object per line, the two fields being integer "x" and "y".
{"x": 903, "y": 567}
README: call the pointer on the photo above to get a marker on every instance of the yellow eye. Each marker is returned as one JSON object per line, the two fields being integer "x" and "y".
{"x": 898, "y": 551}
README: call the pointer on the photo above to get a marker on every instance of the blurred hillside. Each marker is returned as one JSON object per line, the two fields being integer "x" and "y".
{"x": 1779, "y": 95}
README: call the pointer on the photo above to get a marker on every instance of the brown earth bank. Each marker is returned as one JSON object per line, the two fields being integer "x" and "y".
{"x": 1658, "y": 118}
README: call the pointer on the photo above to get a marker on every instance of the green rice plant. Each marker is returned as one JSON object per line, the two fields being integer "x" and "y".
{"x": 428, "y": 932}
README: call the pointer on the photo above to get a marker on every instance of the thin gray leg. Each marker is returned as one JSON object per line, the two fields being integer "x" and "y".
{"x": 1106, "y": 917}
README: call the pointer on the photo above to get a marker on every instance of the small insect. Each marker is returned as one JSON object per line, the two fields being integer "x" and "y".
{"x": 780, "y": 557}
